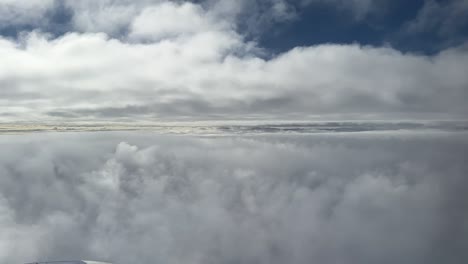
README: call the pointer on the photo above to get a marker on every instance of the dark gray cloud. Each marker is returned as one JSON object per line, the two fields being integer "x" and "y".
{"x": 353, "y": 198}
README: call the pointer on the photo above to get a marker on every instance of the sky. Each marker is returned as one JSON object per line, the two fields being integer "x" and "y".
{"x": 155, "y": 60}
{"x": 234, "y": 132}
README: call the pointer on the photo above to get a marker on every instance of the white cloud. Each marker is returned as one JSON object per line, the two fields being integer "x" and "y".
{"x": 186, "y": 61}
{"x": 171, "y": 20}
{"x": 202, "y": 74}
{"x": 101, "y": 16}
{"x": 227, "y": 199}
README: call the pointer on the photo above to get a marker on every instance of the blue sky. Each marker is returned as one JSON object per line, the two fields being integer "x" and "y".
{"x": 325, "y": 23}
{"x": 321, "y": 23}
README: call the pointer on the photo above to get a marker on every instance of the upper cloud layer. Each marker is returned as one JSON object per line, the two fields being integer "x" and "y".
{"x": 172, "y": 60}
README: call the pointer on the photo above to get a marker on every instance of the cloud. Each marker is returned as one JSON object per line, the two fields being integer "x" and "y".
{"x": 446, "y": 17}
{"x": 22, "y": 12}
{"x": 446, "y": 20}
{"x": 359, "y": 8}
{"x": 215, "y": 73}
{"x": 374, "y": 197}
{"x": 171, "y": 20}
{"x": 353, "y": 199}
{"x": 159, "y": 60}
{"x": 115, "y": 17}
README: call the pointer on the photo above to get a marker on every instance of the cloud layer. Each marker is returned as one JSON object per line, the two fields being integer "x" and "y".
{"x": 159, "y": 60}
{"x": 347, "y": 198}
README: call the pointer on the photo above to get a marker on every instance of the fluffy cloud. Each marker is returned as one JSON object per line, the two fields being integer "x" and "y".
{"x": 215, "y": 74}
{"x": 171, "y": 20}
{"x": 22, "y": 12}
{"x": 177, "y": 60}
{"x": 343, "y": 198}
{"x": 142, "y": 198}
{"x": 111, "y": 16}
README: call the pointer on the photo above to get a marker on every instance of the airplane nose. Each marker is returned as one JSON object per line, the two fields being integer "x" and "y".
{"x": 71, "y": 262}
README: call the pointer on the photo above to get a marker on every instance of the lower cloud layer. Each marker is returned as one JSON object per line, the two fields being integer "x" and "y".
{"x": 142, "y": 198}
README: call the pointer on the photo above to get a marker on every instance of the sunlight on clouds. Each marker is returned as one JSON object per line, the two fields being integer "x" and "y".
{"x": 184, "y": 61}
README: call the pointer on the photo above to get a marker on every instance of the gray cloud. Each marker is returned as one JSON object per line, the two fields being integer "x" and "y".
{"x": 438, "y": 25}
{"x": 446, "y": 18}
{"x": 354, "y": 198}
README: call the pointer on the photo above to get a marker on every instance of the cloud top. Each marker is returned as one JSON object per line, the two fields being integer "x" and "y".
{"x": 347, "y": 198}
